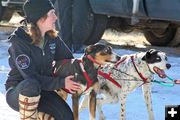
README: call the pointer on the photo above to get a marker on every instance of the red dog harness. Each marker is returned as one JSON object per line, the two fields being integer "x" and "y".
{"x": 108, "y": 76}
{"x": 140, "y": 74}
{"x": 89, "y": 81}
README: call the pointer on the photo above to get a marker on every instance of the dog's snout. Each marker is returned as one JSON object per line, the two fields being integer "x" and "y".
{"x": 168, "y": 66}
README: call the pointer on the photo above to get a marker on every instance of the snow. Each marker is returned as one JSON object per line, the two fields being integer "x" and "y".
{"x": 136, "y": 108}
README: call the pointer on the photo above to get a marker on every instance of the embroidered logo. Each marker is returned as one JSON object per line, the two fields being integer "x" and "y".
{"x": 52, "y": 47}
{"x": 23, "y": 61}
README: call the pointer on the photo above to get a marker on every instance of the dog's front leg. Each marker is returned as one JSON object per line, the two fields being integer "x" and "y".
{"x": 92, "y": 105}
{"x": 100, "y": 112}
{"x": 84, "y": 103}
{"x": 75, "y": 105}
{"x": 147, "y": 96}
{"x": 123, "y": 106}
{"x": 106, "y": 98}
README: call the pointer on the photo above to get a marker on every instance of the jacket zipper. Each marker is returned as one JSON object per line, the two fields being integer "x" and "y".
{"x": 43, "y": 53}
{"x": 45, "y": 42}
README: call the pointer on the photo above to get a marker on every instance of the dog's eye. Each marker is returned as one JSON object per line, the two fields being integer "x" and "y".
{"x": 105, "y": 51}
{"x": 157, "y": 58}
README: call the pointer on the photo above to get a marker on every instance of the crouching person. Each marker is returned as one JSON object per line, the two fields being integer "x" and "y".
{"x": 30, "y": 85}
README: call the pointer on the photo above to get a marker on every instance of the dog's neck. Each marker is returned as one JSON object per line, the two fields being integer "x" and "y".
{"x": 90, "y": 66}
{"x": 95, "y": 63}
{"x": 142, "y": 66}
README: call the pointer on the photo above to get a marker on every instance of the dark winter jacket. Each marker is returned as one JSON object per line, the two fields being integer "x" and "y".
{"x": 29, "y": 61}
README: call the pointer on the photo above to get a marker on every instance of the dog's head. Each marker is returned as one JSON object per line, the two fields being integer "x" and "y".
{"x": 157, "y": 62}
{"x": 101, "y": 53}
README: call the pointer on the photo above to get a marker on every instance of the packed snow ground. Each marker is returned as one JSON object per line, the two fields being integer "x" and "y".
{"x": 136, "y": 109}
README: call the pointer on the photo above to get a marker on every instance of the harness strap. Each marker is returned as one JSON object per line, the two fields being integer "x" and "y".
{"x": 107, "y": 76}
{"x": 63, "y": 63}
{"x": 144, "y": 79}
{"x": 93, "y": 60}
{"x": 89, "y": 81}
{"x": 120, "y": 61}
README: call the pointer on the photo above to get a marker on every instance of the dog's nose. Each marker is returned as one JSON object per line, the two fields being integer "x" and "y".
{"x": 168, "y": 66}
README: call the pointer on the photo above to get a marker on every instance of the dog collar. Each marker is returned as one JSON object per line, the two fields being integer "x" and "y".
{"x": 93, "y": 60}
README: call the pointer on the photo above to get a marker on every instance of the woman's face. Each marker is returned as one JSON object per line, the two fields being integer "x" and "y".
{"x": 49, "y": 22}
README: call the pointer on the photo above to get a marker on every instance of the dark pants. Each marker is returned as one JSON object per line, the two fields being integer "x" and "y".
{"x": 49, "y": 103}
{"x": 71, "y": 13}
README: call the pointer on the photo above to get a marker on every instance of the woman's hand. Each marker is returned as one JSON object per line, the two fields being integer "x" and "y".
{"x": 71, "y": 85}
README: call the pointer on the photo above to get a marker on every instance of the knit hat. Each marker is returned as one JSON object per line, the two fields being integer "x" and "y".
{"x": 35, "y": 9}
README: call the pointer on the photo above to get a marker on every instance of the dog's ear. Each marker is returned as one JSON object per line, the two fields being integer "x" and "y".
{"x": 88, "y": 49}
{"x": 152, "y": 50}
{"x": 148, "y": 54}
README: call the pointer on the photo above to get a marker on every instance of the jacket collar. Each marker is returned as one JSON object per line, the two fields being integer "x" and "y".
{"x": 21, "y": 34}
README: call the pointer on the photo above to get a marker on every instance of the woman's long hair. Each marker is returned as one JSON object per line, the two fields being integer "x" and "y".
{"x": 35, "y": 33}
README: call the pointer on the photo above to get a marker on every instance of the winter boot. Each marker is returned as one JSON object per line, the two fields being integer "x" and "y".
{"x": 44, "y": 116}
{"x": 28, "y": 107}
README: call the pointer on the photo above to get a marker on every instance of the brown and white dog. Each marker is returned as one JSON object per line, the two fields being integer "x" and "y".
{"x": 85, "y": 71}
{"x": 131, "y": 71}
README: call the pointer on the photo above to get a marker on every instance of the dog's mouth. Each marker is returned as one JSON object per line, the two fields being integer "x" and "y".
{"x": 160, "y": 72}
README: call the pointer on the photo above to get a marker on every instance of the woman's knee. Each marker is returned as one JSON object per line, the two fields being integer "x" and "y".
{"x": 29, "y": 87}
{"x": 54, "y": 105}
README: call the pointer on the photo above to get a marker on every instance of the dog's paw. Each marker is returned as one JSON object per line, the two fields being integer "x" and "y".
{"x": 102, "y": 117}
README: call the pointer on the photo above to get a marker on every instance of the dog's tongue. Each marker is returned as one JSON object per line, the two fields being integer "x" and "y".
{"x": 160, "y": 72}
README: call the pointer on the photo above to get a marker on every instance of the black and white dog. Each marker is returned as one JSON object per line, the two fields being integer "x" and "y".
{"x": 131, "y": 71}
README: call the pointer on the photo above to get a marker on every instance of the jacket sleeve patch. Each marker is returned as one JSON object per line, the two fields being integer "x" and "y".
{"x": 23, "y": 61}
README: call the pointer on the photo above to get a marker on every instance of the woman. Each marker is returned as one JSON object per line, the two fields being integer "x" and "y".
{"x": 31, "y": 84}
